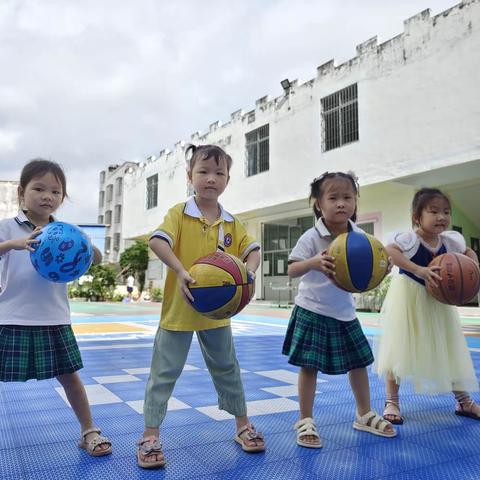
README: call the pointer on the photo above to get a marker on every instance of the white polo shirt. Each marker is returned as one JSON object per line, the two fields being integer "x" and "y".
{"x": 27, "y": 298}
{"x": 316, "y": 291}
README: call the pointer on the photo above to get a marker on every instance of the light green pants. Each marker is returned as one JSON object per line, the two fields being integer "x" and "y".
{"x": 169, "y": 356}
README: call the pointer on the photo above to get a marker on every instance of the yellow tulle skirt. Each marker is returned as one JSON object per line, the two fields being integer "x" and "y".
{"x": 422, "y": 341}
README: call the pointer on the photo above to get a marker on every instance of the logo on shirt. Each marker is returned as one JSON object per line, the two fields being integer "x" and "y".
{"x": 228, "y": 239}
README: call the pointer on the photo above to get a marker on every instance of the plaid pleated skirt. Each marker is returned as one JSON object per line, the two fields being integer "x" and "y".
{"x": 37, "y": 352}
{"x": 326, "y": 344}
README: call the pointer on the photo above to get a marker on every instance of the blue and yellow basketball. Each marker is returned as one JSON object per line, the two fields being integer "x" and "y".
{"x": 222, "y": 287}
{"x": 361, "y": 261}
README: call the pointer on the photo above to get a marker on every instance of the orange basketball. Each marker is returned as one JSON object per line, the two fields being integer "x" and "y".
{"x": 460, "y": 279}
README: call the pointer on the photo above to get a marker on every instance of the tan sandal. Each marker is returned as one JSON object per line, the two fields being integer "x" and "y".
{"x": 392, "y": 409}
{"x": 149, "y": 448}
{"x": 306, "y": 427}
{"x": 371, "y": 422}
{"x": 465, "y": 409}
{"x": 248, "y": 432}
{"x": 91, "y": 446}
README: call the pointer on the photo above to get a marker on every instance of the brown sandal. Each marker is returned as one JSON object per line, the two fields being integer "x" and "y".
{"x": 465, "y": 409}
{"x": 248, "y": 432}
{"x": 392, "y": 409}
{"x": 149, "y": 448}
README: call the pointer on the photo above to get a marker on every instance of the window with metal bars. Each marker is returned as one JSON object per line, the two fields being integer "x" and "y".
{"x": 339, "y": 118}
{"x": 152, "y": 191}
{"x": 109, "y": 192}
{"x": 116, "y": 241}
{"x": 258, "y": 150}
{"x": 118, "y": 214}
{"x": 119, "y": 186}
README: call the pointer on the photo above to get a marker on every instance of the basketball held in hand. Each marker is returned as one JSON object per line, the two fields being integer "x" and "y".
{"x": 460, "y": 279}
{"x": 222, "y": 287}
{"x": 361, "y": 261}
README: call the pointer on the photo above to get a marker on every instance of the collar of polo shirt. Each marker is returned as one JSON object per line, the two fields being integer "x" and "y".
{"x": 191, "y": 209}
{"x": 325, "y": 232}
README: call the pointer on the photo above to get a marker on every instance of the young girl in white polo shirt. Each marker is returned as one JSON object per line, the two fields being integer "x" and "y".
{"x": 37, "y": 341}
{"x": 324, "y": 333}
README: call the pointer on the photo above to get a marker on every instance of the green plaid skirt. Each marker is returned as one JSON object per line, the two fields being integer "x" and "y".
{"x": 326, "y": 344}
{"x": 37, "y": 352}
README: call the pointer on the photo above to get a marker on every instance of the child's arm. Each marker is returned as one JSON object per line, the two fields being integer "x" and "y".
{"x": 163, "y": 251}
{"x": 252, "y": 262}
{"x": 321, "y": 262}
{"x": 471, "y": 254}
{"x": 97, "y": 255}
{"x": 400, "y": 260}
{"x": 24, "y": 243}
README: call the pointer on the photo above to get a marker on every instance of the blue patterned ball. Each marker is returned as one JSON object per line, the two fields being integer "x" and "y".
{"x": 63, "y": 254}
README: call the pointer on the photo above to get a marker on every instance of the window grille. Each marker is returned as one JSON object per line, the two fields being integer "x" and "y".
{"x": 258, "y": 150}
{"x": 152, "y": 191}
{"x": 339, "y": 118}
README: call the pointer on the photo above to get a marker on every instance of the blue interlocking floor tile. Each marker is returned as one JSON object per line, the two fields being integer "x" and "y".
{"x": 458, "y": 442}
{"x": 115, "y": 427}
{"x": 403, "y": 455}
{"x": 459, "y": 469}
{"x": 7, "y": 439}
{"x": 344, "y": 464}
{"x": 405, "y": 476}
{"x": 102, "y": 413}
{"x": 229, "y": 455}
{"x": 188, "y": 416}
{"x": 67, "y": 431}
{"x": 28, "y": 407}
{"x": 344, "y": 434}
{"x": 94, "y": 469}
{"x": 180, "y": 464}
{"x": 10, "y": 464}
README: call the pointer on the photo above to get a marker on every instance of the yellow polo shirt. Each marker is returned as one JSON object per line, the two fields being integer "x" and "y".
{"x": 191, "y": 236}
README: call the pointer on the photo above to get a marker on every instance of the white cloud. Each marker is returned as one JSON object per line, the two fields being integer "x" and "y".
{"x": 92, "y": 83}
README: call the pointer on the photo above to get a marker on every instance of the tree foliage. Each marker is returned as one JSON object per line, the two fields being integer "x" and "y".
{"x": 134, "y": 261}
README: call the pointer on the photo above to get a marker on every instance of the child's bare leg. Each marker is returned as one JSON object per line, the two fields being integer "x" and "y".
{"x": 392, "y": 404}
{"x": 307, "y": 383}
{"x": 77, "y": 396}
{"x": 361, "y": 391}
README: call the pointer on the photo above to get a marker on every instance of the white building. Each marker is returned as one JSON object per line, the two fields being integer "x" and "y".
{"x": 402, "y": 114}
{"x": 8, "y": 198}
{"x": 110, "y": 209}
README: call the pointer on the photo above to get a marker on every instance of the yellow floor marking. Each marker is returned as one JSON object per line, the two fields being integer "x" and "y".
{"x": 81, "y": 328}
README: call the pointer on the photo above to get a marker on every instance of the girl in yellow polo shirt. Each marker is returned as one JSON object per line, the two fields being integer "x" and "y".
{"x": 191, "y": 230}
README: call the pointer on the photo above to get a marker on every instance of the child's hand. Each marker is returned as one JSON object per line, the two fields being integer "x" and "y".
{"x": 26, "y": 242}
{"x": 323, "y": 263}
{"x": 390, "y": 265}
{"x": 184, "y": 279}
{"x": 429, "y": 275}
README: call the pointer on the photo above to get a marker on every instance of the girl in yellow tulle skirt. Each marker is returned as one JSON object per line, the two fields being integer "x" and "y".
{"x": 422, "y": 339}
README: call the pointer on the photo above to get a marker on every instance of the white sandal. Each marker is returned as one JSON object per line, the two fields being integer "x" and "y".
{"x": 306, "y": 426}
{"x": 371, "y": 422}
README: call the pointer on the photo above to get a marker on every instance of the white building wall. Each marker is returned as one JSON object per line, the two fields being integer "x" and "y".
{"x": 8, "y": 198}
{"x": 419, "y": 110}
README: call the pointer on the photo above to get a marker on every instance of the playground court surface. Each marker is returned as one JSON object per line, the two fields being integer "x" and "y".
{"x": 38, "y": 431}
